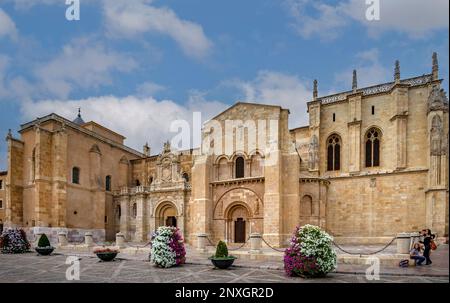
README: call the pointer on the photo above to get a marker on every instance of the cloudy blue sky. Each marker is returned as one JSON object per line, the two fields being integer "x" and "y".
{"x": 135, "y": 65}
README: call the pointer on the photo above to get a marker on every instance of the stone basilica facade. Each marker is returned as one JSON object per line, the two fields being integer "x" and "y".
{"x": 371, "y": 163}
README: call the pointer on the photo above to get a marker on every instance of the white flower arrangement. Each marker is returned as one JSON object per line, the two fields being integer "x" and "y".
{"x": 161, "y": 254}
{"x": 316, "y": 243}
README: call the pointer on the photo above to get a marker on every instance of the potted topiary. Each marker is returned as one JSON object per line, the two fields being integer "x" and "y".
{"x": 44, "y": 248}
{"x": 106, "y": 253}
{"x": 221, "y": 259}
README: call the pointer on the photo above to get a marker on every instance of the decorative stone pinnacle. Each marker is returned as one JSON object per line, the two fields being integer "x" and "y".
{"x": 355, "y": 81}
{"x": 315, "y": 92}
{"x": 397, "y": 71}
{"x": 9, "y": 136}
{"x": 435, "y": 69}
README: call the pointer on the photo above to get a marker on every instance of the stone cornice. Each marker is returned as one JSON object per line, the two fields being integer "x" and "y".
{"x": 68, "y": 123}
{"x": 238, "y": 181}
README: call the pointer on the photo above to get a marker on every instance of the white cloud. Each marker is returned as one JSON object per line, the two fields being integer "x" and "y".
{"x": 81, "y": 64}
{"x": 325, "y": 25}
{"x": 7, "y": 26}
{"x": 369, "y": 69}
{"x": 416, "y": 18}
{"x": 138, "y": 119}
{"x": 149, "y": 89}
{"x": 276, "y": 88}
{"x": 131, "y": 18}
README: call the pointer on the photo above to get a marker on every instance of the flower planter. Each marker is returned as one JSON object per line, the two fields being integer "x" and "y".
{"x": 223, "y": 263}
{"x": 106, "y": 256}
{"x": 44, "y": 251}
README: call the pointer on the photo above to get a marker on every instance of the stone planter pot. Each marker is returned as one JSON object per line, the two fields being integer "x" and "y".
{"x": 222, "y": 263}
{"x": 107, "y": 256}
{"x": 44, "y": 251}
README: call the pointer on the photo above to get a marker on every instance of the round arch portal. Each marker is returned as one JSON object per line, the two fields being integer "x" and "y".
{"x": 166, "y": 215}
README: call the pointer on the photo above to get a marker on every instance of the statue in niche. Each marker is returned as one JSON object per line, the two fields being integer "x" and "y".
{"x": 313, "y": 151}
{"x": 436, "y": 136}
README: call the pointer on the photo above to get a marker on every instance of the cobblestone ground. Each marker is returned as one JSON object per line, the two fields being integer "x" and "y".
{"x": 31, "y": 268}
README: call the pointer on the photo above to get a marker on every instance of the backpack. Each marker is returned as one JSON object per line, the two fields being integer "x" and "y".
{"x": 404, "y": 263}
{"x": 433, "y": 245}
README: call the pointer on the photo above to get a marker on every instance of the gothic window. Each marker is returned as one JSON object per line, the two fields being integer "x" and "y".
{"x": 333, "y": 153}
{"x": 373, "y": 147}
{"x": 75, "y": 175}
{"x": 108, "y": 183}
{"x": 186, "y": 177}
{"x": 150, "y": 180}
{"x": 239, "y": 167}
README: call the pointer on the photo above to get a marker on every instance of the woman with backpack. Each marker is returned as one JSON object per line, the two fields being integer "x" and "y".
{"x": 428, "y": 241}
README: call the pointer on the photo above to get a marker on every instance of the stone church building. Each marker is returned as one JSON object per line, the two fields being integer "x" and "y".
{"x": 372, "y": 162}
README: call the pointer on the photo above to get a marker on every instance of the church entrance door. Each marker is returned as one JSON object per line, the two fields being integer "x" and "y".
{"x": 239, "y": 230}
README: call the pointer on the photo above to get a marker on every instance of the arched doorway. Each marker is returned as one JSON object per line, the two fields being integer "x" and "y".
{"x": 238, "y": 226}
{"x": 166, "y": 215}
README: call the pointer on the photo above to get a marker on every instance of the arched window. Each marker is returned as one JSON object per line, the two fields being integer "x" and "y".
{"x": 108, "y": 183}
{"x": 373, "y": 147}
{"x": 75, "y": 175}
{"x": 224, "y": 171}
{"x": 239, "y": 167}
{"x": 137, "y": 182}
{"x": 150, "y": 180}
{"x": 186, "y": 177}
{"x": 134, "y": 210}
{"x": 334, "y": 153}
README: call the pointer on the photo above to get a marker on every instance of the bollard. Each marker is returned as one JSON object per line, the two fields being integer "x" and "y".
{"x": 120, "y": 240}
{"x": 88, "y": 241}
{"x": 37, "y": 236}
{"x": 255, "y": 243}
{"x": 403, "y": 243}
{"x": 201, "y": 242}
{"x": 62, "y": 238}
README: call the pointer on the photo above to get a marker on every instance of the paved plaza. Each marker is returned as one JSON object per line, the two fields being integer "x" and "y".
{"x": 31, "y": 268}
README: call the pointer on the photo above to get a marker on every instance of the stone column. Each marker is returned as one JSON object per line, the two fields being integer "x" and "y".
{"x": 403, "y": 243}
{"x": 88, "y": 240}
{"x": 62, "y": 238}
{"x": 255, "y": 243}
{"x": 120, "y": 240}
{"x": 201, "y": 242}
{"x": 141, "y": 227}
{"x": 125, "y": 215}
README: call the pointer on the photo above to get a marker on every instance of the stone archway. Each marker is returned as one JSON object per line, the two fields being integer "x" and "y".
{"x": 237, "y": 223}
{"x": 166, "y": 214}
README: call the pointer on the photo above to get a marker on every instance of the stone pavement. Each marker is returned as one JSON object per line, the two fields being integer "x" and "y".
{"x": 32, "y": 268}
{"x": 273, "y": 260}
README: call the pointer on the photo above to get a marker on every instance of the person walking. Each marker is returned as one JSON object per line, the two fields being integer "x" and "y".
{"x": 427, "y": 238}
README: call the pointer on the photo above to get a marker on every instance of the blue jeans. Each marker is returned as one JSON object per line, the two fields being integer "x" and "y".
{"x": 419, "y": 259}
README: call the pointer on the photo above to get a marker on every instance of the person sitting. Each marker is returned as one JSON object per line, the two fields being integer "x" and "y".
{"x": 416, "y": 254}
